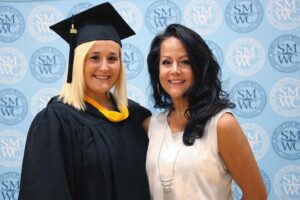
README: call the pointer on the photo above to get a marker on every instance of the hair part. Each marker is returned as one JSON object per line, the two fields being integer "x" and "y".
{"x": 206, "y": 96}
{"x": 73, "y": 93}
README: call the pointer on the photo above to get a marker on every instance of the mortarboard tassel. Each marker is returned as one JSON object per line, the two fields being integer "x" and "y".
{"x": 72, "y": 44}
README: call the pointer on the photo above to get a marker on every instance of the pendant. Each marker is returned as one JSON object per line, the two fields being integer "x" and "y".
{"x": 167, "y": 185}
{"x": 168, "y": 195}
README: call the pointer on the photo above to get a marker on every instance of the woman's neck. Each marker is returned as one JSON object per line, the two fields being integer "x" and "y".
{"x": 179, "y": 106}
{"x": 176, "y": 117}
{"x": 104, "y": 100}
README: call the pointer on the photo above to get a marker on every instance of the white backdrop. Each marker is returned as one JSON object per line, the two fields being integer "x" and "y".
{"x": 256, "y": 42}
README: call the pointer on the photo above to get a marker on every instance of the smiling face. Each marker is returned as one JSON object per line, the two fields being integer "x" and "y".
{"x": 175, "y": 72}
{"x": 101, "y": 68}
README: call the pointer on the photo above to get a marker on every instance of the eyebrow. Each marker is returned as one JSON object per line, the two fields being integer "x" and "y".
{"x": 98, "y": 52}
{"x": 184, "y": 56}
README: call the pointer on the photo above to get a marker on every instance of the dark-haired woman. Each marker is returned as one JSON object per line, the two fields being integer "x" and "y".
{"x": 196, "y": 146}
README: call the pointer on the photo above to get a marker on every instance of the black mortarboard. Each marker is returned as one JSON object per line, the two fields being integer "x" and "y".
{"x": 101, "y": 22}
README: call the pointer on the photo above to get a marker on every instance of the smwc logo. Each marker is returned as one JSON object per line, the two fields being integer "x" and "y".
{"x": 131, "y": 14}
{"x": 39, "y": 21}
{"x": 284, "y": 14}
{"x": 160, "y": 14}
{"x": 12, "y": 145}
{"x": 47, "y": 64}
{"x": 13, "y": 66}
{"x": 245, "y": 56}
{"x": 249, "y": 97}
{"x": 285, "y": 97}
{"x": 133, "y": 60}
{"x": 287, "y": 183}
{"x": 284, "y": 53}
{"x": 9, "y": 186}
{"x": 13, "y": 106}
{"x": 203, "y": 16}
{"x": 244, "y": 16}
{"x": 12, "y": 24}
{"x": 286, "y": 140}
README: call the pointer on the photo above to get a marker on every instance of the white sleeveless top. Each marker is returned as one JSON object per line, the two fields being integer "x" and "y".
{"x": 197, "y": 171}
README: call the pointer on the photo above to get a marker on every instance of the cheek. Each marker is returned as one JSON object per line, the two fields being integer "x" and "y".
{"x": 162, "y": 79}
{"x": 86, "y": 72}
{"x": 117, "y": 70}
{"x": 162, "y": 75}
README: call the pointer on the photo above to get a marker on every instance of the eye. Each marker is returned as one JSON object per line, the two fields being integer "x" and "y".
{"x": 186, "y": 62}
{"x": 112, "y": 59}
{"x": 94, "y": 57}
{"x": 165, "y": 62}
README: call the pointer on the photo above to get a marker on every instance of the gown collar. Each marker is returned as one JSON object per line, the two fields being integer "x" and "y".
{"x": 113, "y": 116}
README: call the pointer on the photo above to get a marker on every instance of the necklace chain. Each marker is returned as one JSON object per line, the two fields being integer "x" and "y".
{"x": 167, "y": 182}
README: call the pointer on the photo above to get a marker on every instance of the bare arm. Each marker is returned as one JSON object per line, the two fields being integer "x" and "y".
{"x": 146, "y": 124}
{"x": 236, "y": 152}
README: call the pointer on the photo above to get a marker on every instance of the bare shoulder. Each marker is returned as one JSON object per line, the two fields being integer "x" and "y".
{"x": 238, "y": 157}
{"x": 228, "y": 124}
{"x": 230, "y": 134}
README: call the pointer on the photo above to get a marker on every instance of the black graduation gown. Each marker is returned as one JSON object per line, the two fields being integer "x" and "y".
{"x": 80, "y": 155}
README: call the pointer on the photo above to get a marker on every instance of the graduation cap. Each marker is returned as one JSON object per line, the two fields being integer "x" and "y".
{"x": 101, "y": 22}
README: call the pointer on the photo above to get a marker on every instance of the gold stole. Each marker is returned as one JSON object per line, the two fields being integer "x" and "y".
{"x": 113, "y": 116}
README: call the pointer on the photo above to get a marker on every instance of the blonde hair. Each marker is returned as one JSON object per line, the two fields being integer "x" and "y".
{"x": 73, "y": 93}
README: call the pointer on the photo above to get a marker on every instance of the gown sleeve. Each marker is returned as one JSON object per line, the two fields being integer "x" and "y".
{"x": 48, "y": 163}
{"x": 140, "y": 113}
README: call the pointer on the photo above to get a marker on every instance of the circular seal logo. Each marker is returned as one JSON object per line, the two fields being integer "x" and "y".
{"x": 133, "y": 60}
{"x": 245, "y": 56}
{"x": 266, "y": 180}
{"x": 79, "y": 8}
{"x": 203, "y": 16}
{"x": 47, "y": 64}
{"x": 237, "y": 192}
{"x": 131, "y": 13}
{"x": 284, "y": 53}
{"x": 12, "y": 24}
{"x": 250, "y": 99}
{"x": 136, "y": 94}
{"x": 39, "y": 20}
{"x": 41, "y": 98}
{"x": 13, "y": 65}
{"x": 12, "y": 144}
{"x": 216, "y": 50}
{"x": 257, "y": 138}
{"x": 160, "y": 14}
{"x": 286, "y": 183}
{"x": 244, "y": 16}
{"x": 285, "y": 140}
{"x": 13, "y": 106}
{"x": 284, "y": 15}
{"x": 10, "y": 185}
{"x": 285, "y": 97}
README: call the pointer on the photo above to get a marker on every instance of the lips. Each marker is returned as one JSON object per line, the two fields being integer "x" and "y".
{"x": 102, "y": 77}
{"x": 176, "y": 81}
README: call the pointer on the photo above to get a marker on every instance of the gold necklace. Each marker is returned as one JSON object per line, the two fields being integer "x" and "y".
{"x": 167, "y": 181}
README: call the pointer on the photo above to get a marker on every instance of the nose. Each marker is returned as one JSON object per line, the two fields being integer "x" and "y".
{"x": 103, "y": 65}
{"x": 175, "y": 68}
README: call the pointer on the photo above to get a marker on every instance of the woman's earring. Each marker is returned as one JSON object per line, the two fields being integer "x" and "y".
{"x": 158, "y": 90}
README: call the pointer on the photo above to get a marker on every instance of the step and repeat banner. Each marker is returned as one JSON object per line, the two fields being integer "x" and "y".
{"x": 257, "y": 43}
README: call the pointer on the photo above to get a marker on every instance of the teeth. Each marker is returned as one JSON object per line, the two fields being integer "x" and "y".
{"x": 176, "y": 81}
{"x": 101, "y": 77}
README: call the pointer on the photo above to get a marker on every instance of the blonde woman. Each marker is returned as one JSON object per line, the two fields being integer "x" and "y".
{"x": 89, "y": 143}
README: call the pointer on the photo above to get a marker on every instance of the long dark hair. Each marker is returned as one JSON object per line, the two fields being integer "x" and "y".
{"x": 206, "y": 96}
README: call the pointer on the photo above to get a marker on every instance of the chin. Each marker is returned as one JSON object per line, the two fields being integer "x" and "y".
{"x": 176, "y": 96}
